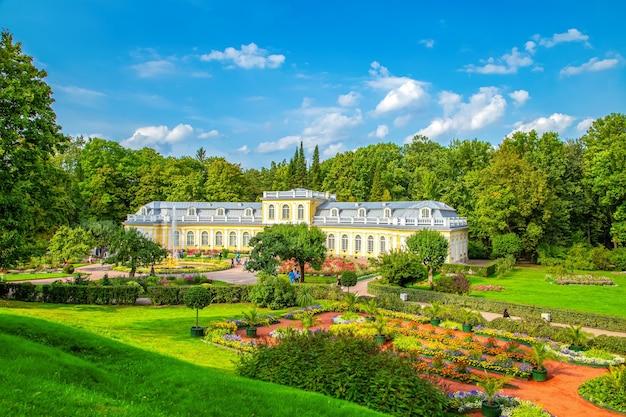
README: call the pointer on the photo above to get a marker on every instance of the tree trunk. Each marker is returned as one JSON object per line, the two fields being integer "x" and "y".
{"x": 301, "y": 272}
{"x": 131, "y": 274}
{"x": 430, "y": 276}
{"x": 196, "y": 317}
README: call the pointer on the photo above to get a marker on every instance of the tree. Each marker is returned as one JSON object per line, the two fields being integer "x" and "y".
{"x": 102, "y": 232}
{"x": 348, "y": 279}
{"x": 201, "y": 154}
{"x": 29, "y": 137}
{"x": 70, "y": 244}
{"x": 197, "y": 297}
{"x": 300, "y": 243}
{"x": 431, "y": 248}
{"x": 400, "y": 267}
{"x": 506, "y": 244}
{"x": 133, "y": 250}
{"x": 315, "y": 173}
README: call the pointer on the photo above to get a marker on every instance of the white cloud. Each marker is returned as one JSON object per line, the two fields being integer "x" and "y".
{"x": 429, "y": 43}
{"x": 244, "y": 149}
{"x": 530, "y": 47}
{"x": 279, "y": 145}
{"x": 249, "y": 56}
{"x": 482, "y": 109}
{"x": 210, "y": 134}
{"x": 572, "y": 35}
{"x": 154, "y": 68}
{"x": 519, "y": 97}
{"x": 377, "y": 70}
{"x": 593, "y": 65}
{"x": 333, "y": 150}
{"x": 153, "y": 136}
{"x": 508, "y": 63}
{"x": 78, "y": 92}
{"x": 409, "y": 94}
{"x": 349, "y": 100}
{"x": 402, "y": 120}
{"x": 557, "y": 122}
{"x": 585, "y": 124}
{"x": 381, "y": 132}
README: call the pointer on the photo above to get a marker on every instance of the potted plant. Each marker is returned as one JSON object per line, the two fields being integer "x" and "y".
{"x": 492, "y": 385}
{"x": 435, "y": 311}
{"x": 576, "y": 337}
{"x": 380, "y": 324}
{"x": 198, "y": 298}
{"x": 371, "y": 308}
{"x": 469, "y": 319}
{"x": 252, "y": 319}
{"x": 539, "y": 355}
{"x": 308, "y": 320}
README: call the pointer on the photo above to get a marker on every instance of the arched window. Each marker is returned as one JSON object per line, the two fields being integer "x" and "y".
{"x": 245, "y": 239}
{"x": 270, "y": 211}
{"x": 370, "y": 244}
{"x": 218, "y": 239}
{"x": 285, "y": 211}
{"x": 220, "y": 211}
{"x": 387, "y": 212}
{"x": 232, "y": 239}
{"x": 205, "y": 238}
{"x": 191, "y": 239}
{"x": 191, "y": 211}
{"x": 331, "y": 242}
{"x": 344, "y": 243}
{"x": 143, "y": 211}
{"x": 361, "y": 212}
{"x": 176, "y": 238}
{"x": 248, "y": 212}
{"x": 425, "y": 213}
{"x": 334, "y": 212}
{"x": 357, "y": 243}
{"x": 381, "y": 245}
{"x": 300, "y": 212}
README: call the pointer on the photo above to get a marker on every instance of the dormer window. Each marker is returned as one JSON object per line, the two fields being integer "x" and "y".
{"x": 220, "y": 211}
{"x": 191, "y": 211}
{"x": 248, "y": 212}
{"x": 143, "y": 211}
{"x": 334, "y": 212}
{"x": 361, "y": 212}
{"x": 387, "y": 212}
{"x": 425, "y": 213}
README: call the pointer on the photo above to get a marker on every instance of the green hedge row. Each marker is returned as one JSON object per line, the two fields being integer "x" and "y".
{"x": 160, "y": 295}
{"x": 70, "y": 294}
{"x": 478, "y": 270}
{"x": 596, "y": 321}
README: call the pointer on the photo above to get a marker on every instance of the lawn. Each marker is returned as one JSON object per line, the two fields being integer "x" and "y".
{"x": 528, "y": 285}
{"x": 33, "y": 276}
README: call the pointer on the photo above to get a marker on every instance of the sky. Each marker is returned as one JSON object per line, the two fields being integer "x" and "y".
{"x": 250, "y": 80}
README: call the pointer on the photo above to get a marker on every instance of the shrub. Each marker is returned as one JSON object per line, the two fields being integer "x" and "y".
{"x": 506, "y": 244}
{"x": 272, "y": 292}
{"x": 348, "y": 368}
{"x": 401, "y": 268}
{"x": 453, "y": 284}
{"x": 197, "y": 298}
{"x": 579, "y": 257}
{"x": 478, "y": 270}
{"x": 477, "y": 249}
{"x": 348, "y": 278}
{"x": 601, "y": 258}
{"x": 618, "y": 258}
{"x": 68, "y": 269}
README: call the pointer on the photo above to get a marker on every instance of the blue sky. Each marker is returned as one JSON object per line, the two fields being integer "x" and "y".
{"x": 249, "y": 80}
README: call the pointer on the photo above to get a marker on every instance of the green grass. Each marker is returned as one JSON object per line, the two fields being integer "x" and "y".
{"x": 33, "y": 276}
{"x": 53, "y": 369}
{"x": 528, "y": 285}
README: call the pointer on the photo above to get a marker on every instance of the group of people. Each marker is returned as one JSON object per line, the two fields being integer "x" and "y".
{"x": 294, "y": 276}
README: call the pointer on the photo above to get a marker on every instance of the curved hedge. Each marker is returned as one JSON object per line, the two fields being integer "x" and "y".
{"x": 70, "y": 294}
{"x": 596, "y": 321}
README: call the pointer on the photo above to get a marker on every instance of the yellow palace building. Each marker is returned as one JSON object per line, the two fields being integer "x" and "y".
{"x": 364, "y": 229}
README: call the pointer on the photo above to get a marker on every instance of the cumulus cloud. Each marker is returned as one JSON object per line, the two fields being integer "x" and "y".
{"x": 519, "y": 97}
{"x": 79, "y": 92}
{"x": 244, "y": 149}
{"x": 508, "y": 63}
{"x": 585, "y": 124}
{"x": 381, "y": 132}
{"x": 557, "y": 122}
{"x": 482, "y": 109}
{"x": 154, "y": 136}
{"x": 593, "y": 65}
{"x": 409, "y": 94}
{"x": 248, "y": 57}
{"x": 429, "y": 43}
{"x": 210, "y": 134}
{"x": 333, "y": 150}
{"x": 154, "y": 68}
{"x": 572, "y": 35}
{"x": 349, "y": 100}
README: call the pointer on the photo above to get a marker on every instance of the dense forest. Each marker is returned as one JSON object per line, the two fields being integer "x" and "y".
{"x": 547, "y": 191}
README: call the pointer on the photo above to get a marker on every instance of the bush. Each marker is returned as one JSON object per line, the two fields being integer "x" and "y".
{"x": 477, "y": 249}
{"x": 478, "y": 270}
{"x": 348, "y": 278}
{"x": 68, "y": 269}
{"x": 453, "y": 284}
{"x": 401, "y": 268}
{"x": 601, "y": 258}
{"x": 612, "y": 344}
{"x": 272, "y": 292}
{"x": 348, "y": 368}
{"x": 579, "y": 257}
{"x": 507, "y": 244}
{"x": 618, "y": 259}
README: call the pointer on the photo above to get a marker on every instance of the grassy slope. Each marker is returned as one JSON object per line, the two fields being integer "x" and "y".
{"x": 528, "y": 285}
{"x": 55, "y": 370}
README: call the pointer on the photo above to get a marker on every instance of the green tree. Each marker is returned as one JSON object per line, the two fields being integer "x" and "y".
{"x": 282, "y": 242}
{"x": 431, "y": 248}
{"x": 70, "y": 244}
{"x": 102, "y": 233}
{"x": 506, "y": 244}
{"x": 315, "y": 172}
{"x": 224, "y": 181}
{"x": 400, "y": 267}
{"x": 348, "y": 279}
{"x": 197, "y": 298}
{"x": 29, "y": 137}
{"x": 132, "y": 249}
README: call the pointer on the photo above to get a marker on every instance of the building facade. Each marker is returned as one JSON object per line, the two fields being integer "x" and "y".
{"x": 365, "y": 229}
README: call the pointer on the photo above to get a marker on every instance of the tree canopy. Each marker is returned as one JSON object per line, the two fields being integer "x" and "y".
{"x": 132, "y": 249}
{"x": 431, "y": 248}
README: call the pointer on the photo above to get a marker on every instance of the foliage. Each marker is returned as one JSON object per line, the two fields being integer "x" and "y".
{"x": 504, "y": 265}
{"x": 506, "y": 244}
{"x": 431, "y": 248}
{"x": 252, "y": 318}
{"x": 304, "y": 296}
{"x": 400, "y": 267}
{"x": 285, "y": 242}
{"x": 607, "y": 391}
{"x": 540, "y": 353}
{"x": 492, "y": 385}
{"x": 198, "y": 298}
{"x": 348, "y": 279}
{"x": 70, "y": 244}
{"x": 576, "y": 336}
{"x": 453, "y": 284}
{"x": 273, "y": 292}
{"x": 478, "y": 270}
{"x": 132, "y": 249}
{"x": 348, "y": 368}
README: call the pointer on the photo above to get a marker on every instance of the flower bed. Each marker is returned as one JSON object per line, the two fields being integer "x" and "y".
{"x": 467, "y": 401}
{"x": 562, "y": 352}
{"x": 579, "y": 280}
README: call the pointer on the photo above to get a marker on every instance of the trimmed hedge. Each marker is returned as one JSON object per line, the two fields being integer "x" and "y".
{"x": 596, "y": 321}
{"x": 170, "y": 295}
{"x": 478, "y": 270}
{"x": 70, "y": 294}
